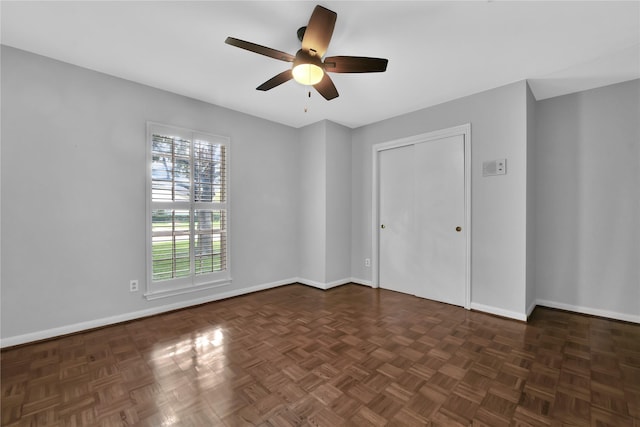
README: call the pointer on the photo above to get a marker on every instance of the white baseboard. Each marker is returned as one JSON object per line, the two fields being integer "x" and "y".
{"x": 309, "y": 282}
{"x": 498, "y": 311}
{"x": 361, "y": 282}
{"x": 323, "y": 286}
{"x": 106, "y": 321}
{"x": 531, "y": 308}
{"x": 591, "y": 311}
{"x": 336, "y": 283}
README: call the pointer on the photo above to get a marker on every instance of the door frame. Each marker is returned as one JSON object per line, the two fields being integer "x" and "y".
{"x": 465, "y": 131}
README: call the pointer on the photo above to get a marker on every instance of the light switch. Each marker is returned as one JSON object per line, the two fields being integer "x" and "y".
{"x": 494, "y": 167}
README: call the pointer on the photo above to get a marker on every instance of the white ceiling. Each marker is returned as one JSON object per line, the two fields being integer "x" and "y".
{"x": 437, "y": 51}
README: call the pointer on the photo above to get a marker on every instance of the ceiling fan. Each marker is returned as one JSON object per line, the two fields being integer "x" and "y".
{"x": 308, "y": 67}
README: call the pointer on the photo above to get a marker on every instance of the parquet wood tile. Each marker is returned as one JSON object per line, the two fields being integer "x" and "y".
{"x": 349, "y": 356}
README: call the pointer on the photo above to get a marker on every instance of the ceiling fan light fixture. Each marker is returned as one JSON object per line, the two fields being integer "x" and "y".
{"x": 307, "y": 69}
{"x": 307, "y": 74}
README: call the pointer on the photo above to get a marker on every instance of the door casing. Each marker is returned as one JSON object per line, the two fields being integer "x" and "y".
{"x": 465, "y": 131}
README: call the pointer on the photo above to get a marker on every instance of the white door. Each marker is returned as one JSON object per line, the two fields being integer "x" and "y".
{"x": 396, "y": 193}
{"x": 422, "y": 243}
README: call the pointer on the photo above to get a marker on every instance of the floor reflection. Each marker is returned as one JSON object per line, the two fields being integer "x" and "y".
{"x": 187, "y": 367}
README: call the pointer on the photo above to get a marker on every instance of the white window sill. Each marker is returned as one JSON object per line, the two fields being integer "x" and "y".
{"x": 186, "y": 290}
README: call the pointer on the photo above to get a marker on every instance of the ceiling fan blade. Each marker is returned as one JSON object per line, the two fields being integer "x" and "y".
{"x": 326, "y": 88}
{"x": 283, "y": 77}
{"x": 355, "y": 64}
{"x": 319, "y": 31}
{"x": 262, "y": 50}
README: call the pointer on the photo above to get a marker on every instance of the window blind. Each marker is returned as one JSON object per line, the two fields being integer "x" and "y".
{"x": 188, "y": 208}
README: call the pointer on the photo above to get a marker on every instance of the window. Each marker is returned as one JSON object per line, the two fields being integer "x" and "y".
{"x": 187, "y": 211}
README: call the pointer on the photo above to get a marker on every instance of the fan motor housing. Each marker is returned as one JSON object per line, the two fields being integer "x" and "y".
{"x": 300, "y": 33}
{"x": 304, "y": 57}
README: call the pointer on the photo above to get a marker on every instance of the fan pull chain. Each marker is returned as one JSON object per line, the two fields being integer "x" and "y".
{"x": 306, "y": 107}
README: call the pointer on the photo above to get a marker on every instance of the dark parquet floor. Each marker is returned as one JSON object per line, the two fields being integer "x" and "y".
{"x": 350, "y": 356}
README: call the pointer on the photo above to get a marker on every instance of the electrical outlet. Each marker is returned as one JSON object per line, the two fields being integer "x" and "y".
{"x": 133, "y": 286}
{"x": 367, "y": 262}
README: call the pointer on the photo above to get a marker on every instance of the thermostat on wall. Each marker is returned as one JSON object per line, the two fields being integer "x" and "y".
{"x": 494, "y": 167}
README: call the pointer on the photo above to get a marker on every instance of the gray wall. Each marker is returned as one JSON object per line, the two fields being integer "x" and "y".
{"x": 561, "y": 228}
{"x": 338, "y": 251}
{"x": 498, "y": 206}
{"x": 312, "y": 228}
{"x": 531, "y": 202}
{"x": 73, "y": 194}
{"x": 325, "y": 204}
{"x": 587, "y": 211}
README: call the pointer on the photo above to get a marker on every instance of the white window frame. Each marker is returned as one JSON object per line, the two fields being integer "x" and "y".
{"x": 193, "y": 282}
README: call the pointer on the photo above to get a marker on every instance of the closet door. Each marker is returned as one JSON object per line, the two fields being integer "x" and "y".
{"x": 397, "y": 257}
{"x": 422, "y": 240}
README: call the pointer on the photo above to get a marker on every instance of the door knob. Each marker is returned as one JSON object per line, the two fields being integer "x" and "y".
{"x": 458, "y": 229}
{"x": 382, "y": 226}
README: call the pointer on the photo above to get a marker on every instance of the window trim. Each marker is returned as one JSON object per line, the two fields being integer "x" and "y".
{"x": 192, "y": 283}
